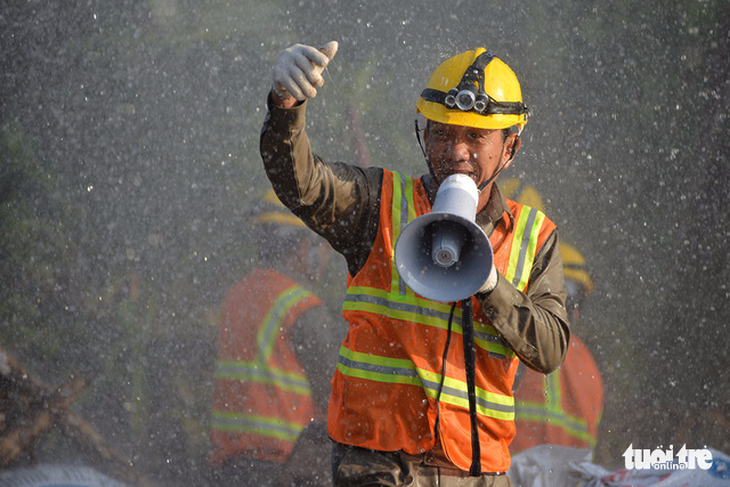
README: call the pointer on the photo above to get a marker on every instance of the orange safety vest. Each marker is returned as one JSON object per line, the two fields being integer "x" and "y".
{"x": 262, "y": 397}
{"x": 562, "y": 408}
{"x": 390, "y": 364}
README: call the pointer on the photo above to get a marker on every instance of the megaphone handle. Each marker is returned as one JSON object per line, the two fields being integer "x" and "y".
{"x": 467, "y": 325}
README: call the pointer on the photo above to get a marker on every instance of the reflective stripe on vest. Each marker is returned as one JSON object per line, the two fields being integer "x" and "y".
{"x": 260, "y": 370}
{"x": 524, "y": 247}
{"x": 552, "y": 412}
{"x": 425, "y": 312}
{"x": 263, "y": 374}
{"x": 401, "y": 303}
{"x": 404, "y": 371}
{"x": 260, "y": 425}
{"x": 275, "y": 317}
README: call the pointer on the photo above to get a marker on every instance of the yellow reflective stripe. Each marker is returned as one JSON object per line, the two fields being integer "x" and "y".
{"x": 402, "y": 212}
{"x": 553, "y": 413}
{"x": 274, "y": 319}
{"x": 553, "y": 397}
{"x": 423, "y": 312}
{"x": 377, "y": 368}
{"x": 263, "y": 374}
{"x": 517, "y": 254}
{"x": 260, "y": 370}
{"x": 524, "y": 247}
{"x": 536, "y": 413}
{"x": 409, "y": 213}
{"x": 455, "y": 392}
{"x": 259, "y": 425}
{"x": 531, "y": 250}
{"x": 395, "y": 213}
{"x": 403, "y": 371}
{"x": 421, "y": 303}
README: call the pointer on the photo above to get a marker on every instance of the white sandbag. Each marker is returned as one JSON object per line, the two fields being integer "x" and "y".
{"x": 551, "y": 465}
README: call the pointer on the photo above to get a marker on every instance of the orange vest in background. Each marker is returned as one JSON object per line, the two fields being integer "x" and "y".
{"x": 390, "y": 365}
{"x": 562, "y": 408}
{"x": 262, "y": 397}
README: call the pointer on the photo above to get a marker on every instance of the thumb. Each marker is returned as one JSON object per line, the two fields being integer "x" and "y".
{"x": 329, "y": 49}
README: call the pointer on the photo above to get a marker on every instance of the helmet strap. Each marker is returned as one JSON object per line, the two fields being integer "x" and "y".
{"x": 423, "y": 150}
{"x": 499, "y": 169}
{"x": 418, "y": 138}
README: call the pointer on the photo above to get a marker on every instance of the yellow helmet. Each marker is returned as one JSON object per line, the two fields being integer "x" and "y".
{"x": 574, "y": 267}
{"x": 522, "y": 193}
{"x": 474, "y": 89}
{"x": 272, "y": 210}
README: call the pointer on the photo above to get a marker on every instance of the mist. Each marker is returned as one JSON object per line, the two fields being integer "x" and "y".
{"x": 129, "y": 162}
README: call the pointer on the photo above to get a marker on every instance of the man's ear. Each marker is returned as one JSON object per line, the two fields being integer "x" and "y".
{"x": 512, "y": 144}
{"x": 515, "y": 144}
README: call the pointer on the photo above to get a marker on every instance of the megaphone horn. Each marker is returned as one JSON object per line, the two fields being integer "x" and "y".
{"x": 444, "y": 255}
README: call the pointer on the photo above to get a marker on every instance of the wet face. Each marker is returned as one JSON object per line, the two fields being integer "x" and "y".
{"x": 478, "y": 153}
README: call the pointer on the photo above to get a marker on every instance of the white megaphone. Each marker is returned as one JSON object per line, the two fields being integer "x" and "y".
{"x": 444, "y": 255}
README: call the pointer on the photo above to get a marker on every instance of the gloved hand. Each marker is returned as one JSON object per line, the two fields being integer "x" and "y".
{"x": 491, "y": 283}
{"x": 298, "y": 71}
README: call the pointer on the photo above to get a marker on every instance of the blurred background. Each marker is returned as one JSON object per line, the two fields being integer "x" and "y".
{"x": 129, "y": 160}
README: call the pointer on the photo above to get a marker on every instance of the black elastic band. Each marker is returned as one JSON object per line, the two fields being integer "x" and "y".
{"x": 499, "y": 170}
{"x": 467, "y": 325}
{"x": 494, "y": 107}
{"x": 474, "y": 74}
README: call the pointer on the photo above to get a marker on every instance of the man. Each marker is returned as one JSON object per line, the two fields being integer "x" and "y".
{"x": 563, "y": 408}
{"x": 277, "y": 346}
{"x": 400, "y": 410}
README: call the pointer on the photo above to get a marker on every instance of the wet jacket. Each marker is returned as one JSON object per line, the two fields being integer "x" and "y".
{"x": 262, "y": 399}
{"x": 563, "y": 408}
{"x": 343, "y": 204}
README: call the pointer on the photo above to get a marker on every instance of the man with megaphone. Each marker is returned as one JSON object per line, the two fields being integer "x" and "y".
{"x": 449, "y": 285}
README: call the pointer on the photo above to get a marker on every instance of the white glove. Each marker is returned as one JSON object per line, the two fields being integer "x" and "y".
{"x": 491, "y": 283}
{"x": 298, "y": 71}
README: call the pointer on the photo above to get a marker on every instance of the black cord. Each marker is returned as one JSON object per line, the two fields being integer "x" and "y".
{"x": 467, "y": 325}
{"x": 443, "y": 370}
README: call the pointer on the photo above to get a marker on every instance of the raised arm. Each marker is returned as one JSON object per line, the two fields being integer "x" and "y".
{"x": 338, "y": 201}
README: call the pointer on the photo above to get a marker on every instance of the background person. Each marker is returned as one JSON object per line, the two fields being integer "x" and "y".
{"x": 399, "y": 411}
{"x": 277, "y": 346}
{"x": 565, "y": 407}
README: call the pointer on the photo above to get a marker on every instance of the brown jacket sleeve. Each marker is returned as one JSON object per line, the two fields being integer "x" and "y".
{"x": 535, "y": 323}
{"x": 340, "y": 202}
